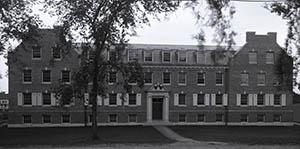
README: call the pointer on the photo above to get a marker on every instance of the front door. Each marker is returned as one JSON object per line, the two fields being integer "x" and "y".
{"x": 157, "y": 111}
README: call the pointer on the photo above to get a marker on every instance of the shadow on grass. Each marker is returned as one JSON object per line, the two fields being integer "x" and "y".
{"x": 80, "y": 136}
{"x": 258, "y": 135}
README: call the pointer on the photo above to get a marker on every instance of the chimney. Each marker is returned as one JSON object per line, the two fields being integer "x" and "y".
{"x": 272, "y": 36}
{"x": 250, "y": 36}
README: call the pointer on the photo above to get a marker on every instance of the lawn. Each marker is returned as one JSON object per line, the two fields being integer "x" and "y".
{"x": 80, "y": 136}
{"x": 244, "y": 135}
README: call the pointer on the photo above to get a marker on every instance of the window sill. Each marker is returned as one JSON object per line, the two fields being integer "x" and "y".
{"x": 111, "y": 83}
{"x": 244, "y": 84}
{"x": 181, "y": 84}
{"x": 46, "y": 83}
{"x": 201, "y": 84}
{"x": 36, "y": 59}
{"x": 219, "y": 84}
{"x": 261, "y": 85}
{"x": 132, "y": 83}
{"x": 57, "y": 59}
{"x": 167, "y": 84}
{"x": 148, "y": 84}
{"x": 27, "y": 82}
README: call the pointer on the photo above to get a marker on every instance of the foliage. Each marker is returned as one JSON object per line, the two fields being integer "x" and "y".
{"x": 290, "y": 11}
{"x": 105, "y": 24}
{"x": 217, "y": 15}
{"x": 283, "y": 70}
{"x": 64, "y": 94}
{"x": 17, "y": 22}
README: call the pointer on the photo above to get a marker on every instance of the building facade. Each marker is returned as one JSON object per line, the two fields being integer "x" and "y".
{"x": 183, "y": 85}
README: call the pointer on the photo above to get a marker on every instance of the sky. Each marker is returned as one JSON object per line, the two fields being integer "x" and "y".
{"x": 180, "y": 27}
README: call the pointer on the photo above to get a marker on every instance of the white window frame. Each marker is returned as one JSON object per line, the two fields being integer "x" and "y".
{"x": 163, "y": 56}
{"x": 151, "y": 78}
{"x": 23, "y": 76}
{"x": 265, "y": 75}
{"x": 32, "y": 51}
{"x": 247, "y": 77}
{"x": 201, "y": 84}
{"x": 222, "y": 79}
{"x": 180, "y": 54}
{"x": 252, "y": 62}
{"x": 273, "y": 59}
{"x": 109, "y": 118}
{"x": 183, "y": 73}
{"x": 170, "y": 78}
{"x": 145, "y": 52}
{"x": 43, "y": 77}
{"x": 69, "y": 82}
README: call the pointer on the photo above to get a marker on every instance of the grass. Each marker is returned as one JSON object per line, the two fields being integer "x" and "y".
{"x": 80, "y": 136}
{"x": 242, "y": 135}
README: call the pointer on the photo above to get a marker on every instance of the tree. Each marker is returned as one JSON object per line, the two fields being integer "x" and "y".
{"x": 17, "y": 22}
{"x": 290, "y": 11}
{"x": 106, "y": 24}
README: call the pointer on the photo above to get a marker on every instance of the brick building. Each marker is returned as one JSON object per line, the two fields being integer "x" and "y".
{"x": 183, "y": 85}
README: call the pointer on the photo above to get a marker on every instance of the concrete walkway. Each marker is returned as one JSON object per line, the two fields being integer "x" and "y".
{"x": 167, "y": 132}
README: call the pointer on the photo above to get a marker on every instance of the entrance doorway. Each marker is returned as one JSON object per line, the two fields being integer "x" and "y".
{"x": 157, "y": 108}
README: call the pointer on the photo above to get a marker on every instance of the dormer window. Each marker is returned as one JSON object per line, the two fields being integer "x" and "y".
{"x": 148, "y": 56}
{"x": 36, "y": 52}
{"x": 112, "y": 56}
{"x": 132, "y": 55}
{"x": 181, "y": 56}
{"x": 166, "y": 56}
{"x": 270, "y": 57}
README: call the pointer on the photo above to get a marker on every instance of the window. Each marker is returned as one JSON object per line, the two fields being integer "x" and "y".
{"x": 27, "y": 100}
{"x": 201, "y": 118}
{"x": 46, "y": 118}
{"x": 244, "y": 79}
{"x": 166, "y": 56}
{"x": 65, "y": 76}
{"x": 26, "y": 119}
{"x": 27, "y": 76}
{"x": 46, "y": 76}
{"x": 132, "y": 55}
{"x": 132, "y": 99}
{"x": 270, "y": 58}
{"x": 244, "y": 117}
{"x": 112, "y": 77}
{"x": 181, "y": 56}
{"x": 148, "y": 56}
{"x": 244, "y": 99}
{"x": 66, "y": 118}
{"x": 113, "y": 118}
{"x": 112, "y": 56}
{"x": 200, "y": 100}
{"x": 90, "y": 118}
{"x": 261, "y": 99}
{"x": 46, "y": 98}
{"x": 182, "y": 78}
{"x": 132, "y": 80}
{"x": 36, "y": 52}
{"x": 201, "y": 78}
{"x": 219, "y": 78}
{"x": 276, "y": 118}
{"x": 219, "y": 99}
{"x": 148, "y": 77}
{"x": 252, "y": 57}
{"x": 92, "y": 55}
{"x": 260, "y": 118}
{"x": 167, "y": 78}
{"x": 56, "y": 53}
{"x": 112, "y": 99}
{"x": 261, "y": 79}
{"x": 132, "y": 118}
{"x": 219, "y": 117}
{"x": 181, "y": 100}
{"x": 277, "y": 99}
{"x": 181, "y": 118}
{"x": 201, "y": 57}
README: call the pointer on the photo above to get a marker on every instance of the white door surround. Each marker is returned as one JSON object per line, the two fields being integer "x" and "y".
{"x": 165, "y": 97}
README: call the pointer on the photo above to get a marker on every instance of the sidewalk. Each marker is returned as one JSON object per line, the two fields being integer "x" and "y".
{"x": 167, "y": 132}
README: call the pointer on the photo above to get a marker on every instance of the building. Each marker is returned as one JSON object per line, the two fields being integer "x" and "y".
{"x": 4, "y": 102}
{"x": 183, "y": 85}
